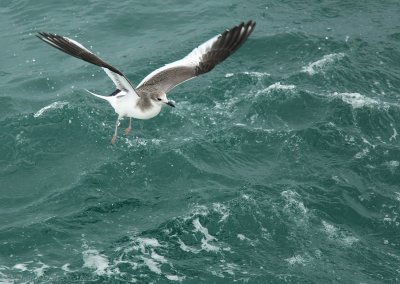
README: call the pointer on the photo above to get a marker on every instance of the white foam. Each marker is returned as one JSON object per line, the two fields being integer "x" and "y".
{"x": 94, "y": 260}
{"x": 65, "y": 267}
{"x": 356, "y": 100}
{"x": 393, "y": 137}
{"x": 336, "y": 179}
{"x": 257, "y": 74}
{"x": 392, "y": 165}
{"x": 146, "y": 242}
{"x": 229, "y": 268}
{"x": 39, "y": 271}
{"x": 296, "y": 259}
{"x": 158, "y": 257}
{"x": 152, "y": 265}
{"x": 397, "y": 196}
{"x": 20, "y": 139}
{"x": 149, "y": 242}
{"x": 241, "y": 237}
{"x": 329, "y": 228}
{"x": 251, "y": 74}
{"x": 318, "y": 66}
{"x": 222, "y": 210}
{"x": 197, "y": 210}
{"x": 349, "y": 240}
{"x": 142, "y": 243}
{"x": 143, "y": 249}
{"x": 20, "y": 266}
{"x": 337, "y": 235}
{"x": 387, "y": 219}
{"x": 292, "y": 204}
{"x": 55, "y": 105}
{"x": 265, "y": 234}
{"x": 4, "y": 280}
{"x": 205, "y": 245}
{"x": 187, "y": 248}
{"x": 175, "y": 277}
{"x": 362, "y": 153}
{"x": 278, "y": 86}
{"x": 218, "y": 274}
{"x": 368, "y": 143}
{"x": 245, "y": 196}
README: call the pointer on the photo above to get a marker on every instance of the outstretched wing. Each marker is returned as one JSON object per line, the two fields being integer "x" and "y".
{"x": 201, "y": 60}
{"x": 77, "y": 50}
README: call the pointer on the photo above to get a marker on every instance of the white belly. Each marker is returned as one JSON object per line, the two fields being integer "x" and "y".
{"x": 127, "y": 106}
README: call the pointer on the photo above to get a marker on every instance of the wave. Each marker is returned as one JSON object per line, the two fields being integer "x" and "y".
{"x": 321, "y": 64}
{"x": 356, "y": 100}
{"x": 253, "y": 74}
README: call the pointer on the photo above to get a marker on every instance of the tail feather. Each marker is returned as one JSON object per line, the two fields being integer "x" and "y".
{"x": 101, "y": 97}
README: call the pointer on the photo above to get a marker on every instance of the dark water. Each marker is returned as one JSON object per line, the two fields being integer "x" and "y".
{"x": 279, "y": 166}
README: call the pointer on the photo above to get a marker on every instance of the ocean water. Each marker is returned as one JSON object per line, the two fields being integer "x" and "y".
{"x": 279, "y": 166}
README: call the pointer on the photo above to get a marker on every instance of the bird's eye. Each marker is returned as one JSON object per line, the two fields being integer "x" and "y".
{"x": 159, "y": 99}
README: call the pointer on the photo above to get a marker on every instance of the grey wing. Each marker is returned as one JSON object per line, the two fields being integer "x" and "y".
{"x": 77, "y": 50}
{"x": 201, "y": 60}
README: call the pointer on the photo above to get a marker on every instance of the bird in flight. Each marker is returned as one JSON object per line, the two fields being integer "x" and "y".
{"x": 146, "y": 99}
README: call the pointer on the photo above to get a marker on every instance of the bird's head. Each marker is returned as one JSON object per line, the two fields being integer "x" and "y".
{"x": 162, "y": 99}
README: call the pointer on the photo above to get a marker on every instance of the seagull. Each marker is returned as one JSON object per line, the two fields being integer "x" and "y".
{"x": 146, "y": 99}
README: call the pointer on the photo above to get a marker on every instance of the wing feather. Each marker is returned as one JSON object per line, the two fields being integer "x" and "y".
{"x": 77, "y": 50}
{"x": 201, "y": 60}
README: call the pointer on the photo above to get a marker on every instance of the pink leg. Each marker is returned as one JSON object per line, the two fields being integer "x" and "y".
{"x": 127, "y": 130}
{"x": 114, "y": 138}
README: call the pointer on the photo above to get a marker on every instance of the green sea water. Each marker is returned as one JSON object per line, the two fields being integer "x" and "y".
{"x": 279, "y": 166}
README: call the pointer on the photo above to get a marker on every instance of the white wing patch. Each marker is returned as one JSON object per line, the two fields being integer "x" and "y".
{"x": 119, "y": 81}
{"x": 193, "y": 59}
{"x": 77, "y": 43}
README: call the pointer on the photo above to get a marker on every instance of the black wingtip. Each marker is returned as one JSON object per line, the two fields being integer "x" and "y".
{"x": 67, "y": 46}
{"x": 43, "y": 35}
{"x": 250, "y": 24}
{"x": 40, "y": 35}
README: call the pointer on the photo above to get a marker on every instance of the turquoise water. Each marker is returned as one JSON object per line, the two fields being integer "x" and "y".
{"x": 279, "y": 166}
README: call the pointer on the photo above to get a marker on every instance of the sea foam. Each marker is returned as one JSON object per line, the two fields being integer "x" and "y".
{"x": 319, "y": 65}
{"x": 205, "y": 242}
{"x": 55, "y": 105}
{"x": 94, "y": 260}
{"x": 356, "y": 100}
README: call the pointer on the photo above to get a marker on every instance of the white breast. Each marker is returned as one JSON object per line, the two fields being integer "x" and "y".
{"x": 127, "y": 106}
{"x": 146, "y": 114}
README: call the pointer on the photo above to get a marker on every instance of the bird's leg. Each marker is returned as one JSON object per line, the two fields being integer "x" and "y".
{"x": 115, "y": 132}
{"x": 127, "y": 130}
